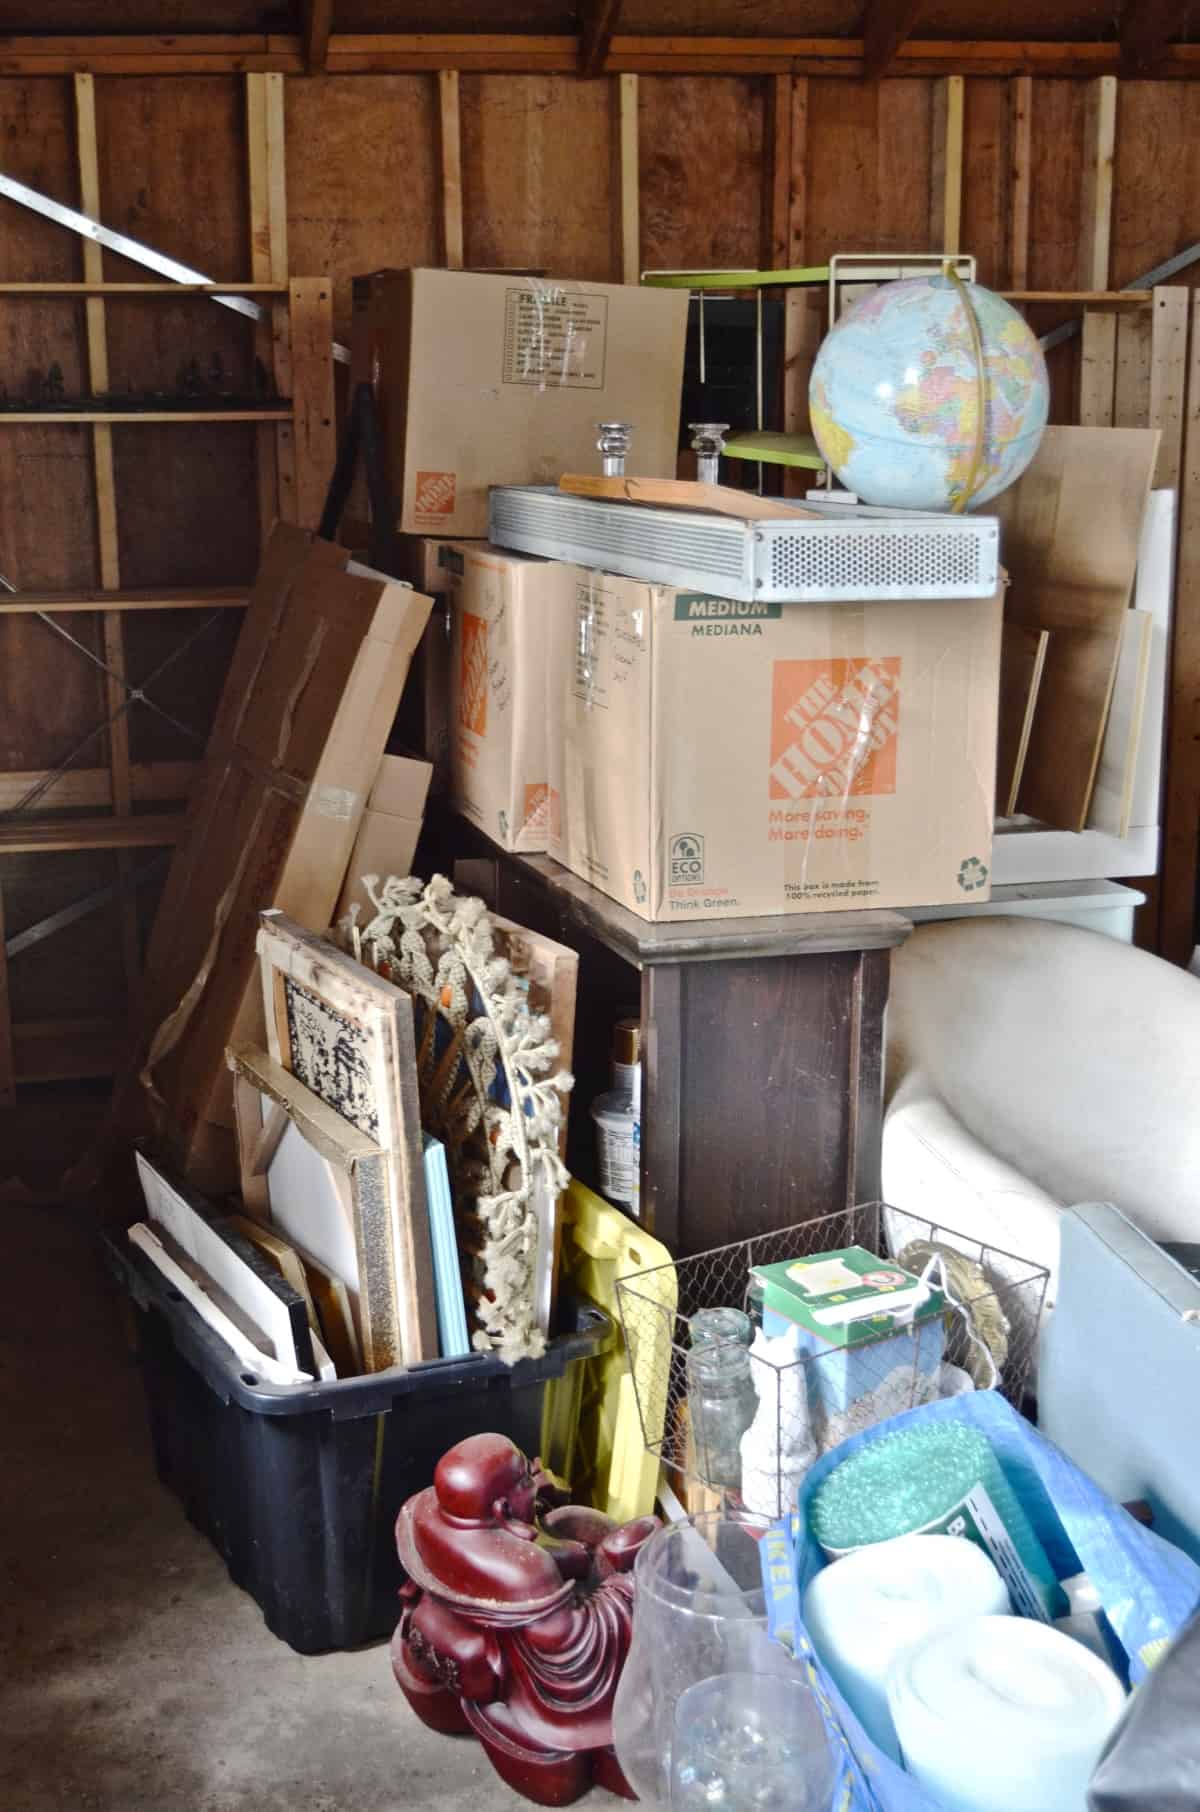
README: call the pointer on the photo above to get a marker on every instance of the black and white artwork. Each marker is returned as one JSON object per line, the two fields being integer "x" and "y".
{"x": 331, "y": 1056}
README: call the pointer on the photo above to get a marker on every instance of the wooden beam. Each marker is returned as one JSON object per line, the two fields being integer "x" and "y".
{"x": 1168, "y": 379}
{"x": 885, "y": 27}
{"x": 317, "y": 26}
{"x": 946, "y": 169}
{"x": 1181, "y": 817}
{"x": 108, "y": 547}
{"x": 229, "y": 597}
{"x": 25, "y": 836}
{"x": 153, "y": 782}
{"x": 598, "y": 23}
{"x": 1148, "y": 28}
{"x": 1096, "y": 201}
{"x": 399, "y": 53}
{"x": 627, "y": 186}
{"x": 1020, "y": 151}
{"x": 131, "y": 418}
{"x": 777, "y": 188}
{"x": 312, "y": 395}
{"x": 65, "y": 1050}
{"x": 450, "y": 134}
{"x": 8, "y": 1095}
{"x": 266, "y": 178}
{"x": 803, "y": 319}
{"x": 1097, "y": 369}
{"x": 72, "y": 291}
{"x": 1093, "y": 298}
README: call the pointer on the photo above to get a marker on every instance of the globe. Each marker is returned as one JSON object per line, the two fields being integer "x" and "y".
{"x": 894, "y": 395}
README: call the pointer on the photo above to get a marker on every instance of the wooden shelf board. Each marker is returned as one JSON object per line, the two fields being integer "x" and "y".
{"x": 151, "y": 831}
{"x": 53, "y": 418}
{"x": 151, "y": 783}
{"x": 230, "y": 597}
{"x": 66, "y": 1050}
{"x": 118, "y": 290}
{"x": 1090, "y": 298}
{"x": 776, "y": 449}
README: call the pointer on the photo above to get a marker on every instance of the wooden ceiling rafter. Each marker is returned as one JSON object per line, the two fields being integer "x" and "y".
{"x": 886, "y": 27}
{"x": 355, "y": 53}
{"x": 316, "y": 31}
{"x": 598, "y": 21}
{"x": 1148, "y": 30}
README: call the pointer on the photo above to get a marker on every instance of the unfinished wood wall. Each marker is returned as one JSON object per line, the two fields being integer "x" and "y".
{"x": 588, "y": 180}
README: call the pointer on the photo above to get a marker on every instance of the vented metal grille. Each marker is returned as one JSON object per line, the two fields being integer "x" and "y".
{"x": 850, "y": 559}
{"x": 671, "y": 547}
{"x": 868, "y": 559}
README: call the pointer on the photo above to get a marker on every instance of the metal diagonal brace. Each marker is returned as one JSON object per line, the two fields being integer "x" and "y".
{"x": 134, "y": 694}
{"x": 80, "y": 909}
{"x": 1169, "y": 268}
{"x": 133, "y": 249}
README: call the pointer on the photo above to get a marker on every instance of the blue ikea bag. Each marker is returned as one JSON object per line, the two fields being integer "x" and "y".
{"x": 1148, "y": 1588}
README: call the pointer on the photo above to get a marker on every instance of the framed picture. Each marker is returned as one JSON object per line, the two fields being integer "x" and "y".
{"x": 346, "y": 1036}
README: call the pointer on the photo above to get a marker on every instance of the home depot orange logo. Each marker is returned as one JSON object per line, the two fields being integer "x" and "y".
{"x": 434, "y": 494}
{"x": 537, "y": 808}
{"x": 472, "y": 674}
{"x": 834, "y": 727}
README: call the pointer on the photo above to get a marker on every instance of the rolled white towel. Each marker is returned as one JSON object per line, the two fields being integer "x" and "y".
{"x": 861, "y": 1611}
{"x": 1003, "y": 1714}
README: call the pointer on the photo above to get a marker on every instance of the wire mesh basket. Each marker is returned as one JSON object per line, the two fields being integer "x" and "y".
{"x": 748, "y": 1423}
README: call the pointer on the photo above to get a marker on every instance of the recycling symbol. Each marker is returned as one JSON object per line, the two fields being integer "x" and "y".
{"x": 972, "y": 874}
{"x": 639, "y": 887}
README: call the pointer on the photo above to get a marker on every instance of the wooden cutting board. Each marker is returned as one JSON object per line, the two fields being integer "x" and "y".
{"x": 684, "y": 494}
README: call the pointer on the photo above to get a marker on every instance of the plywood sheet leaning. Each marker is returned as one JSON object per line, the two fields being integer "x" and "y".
{"x": 1022, "y": 660}
{"x": 1112, "y": 799}
{"x": 1070, "y": 529}
{"x": 347, "y": 1035}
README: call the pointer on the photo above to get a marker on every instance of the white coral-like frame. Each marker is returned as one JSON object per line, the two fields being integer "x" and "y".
{"x": 438, "y": 946}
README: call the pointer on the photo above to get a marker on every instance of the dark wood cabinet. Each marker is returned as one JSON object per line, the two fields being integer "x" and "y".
{"x": 762, "y": 1045}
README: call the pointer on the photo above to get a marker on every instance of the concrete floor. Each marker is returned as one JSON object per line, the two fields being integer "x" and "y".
{"x": 135, "y": 1676}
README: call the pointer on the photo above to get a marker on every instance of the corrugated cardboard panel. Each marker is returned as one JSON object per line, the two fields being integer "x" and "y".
{"x": 302, "y": 724}
{"x": 1070, "y": 529}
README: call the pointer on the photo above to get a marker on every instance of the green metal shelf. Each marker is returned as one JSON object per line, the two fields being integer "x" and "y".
{"x": 715, "y": 280}
{"x": 769, "y": 448}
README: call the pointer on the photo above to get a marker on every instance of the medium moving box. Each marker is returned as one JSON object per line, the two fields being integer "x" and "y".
{"x": 501, "y": 606}
{"x": 719, "y": 759}
{"x": 483, "y": 380}
{"x": 387, "y": 836}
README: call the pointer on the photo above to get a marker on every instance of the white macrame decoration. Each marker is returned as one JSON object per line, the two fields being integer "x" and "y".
{"x": 503, "y": 1159}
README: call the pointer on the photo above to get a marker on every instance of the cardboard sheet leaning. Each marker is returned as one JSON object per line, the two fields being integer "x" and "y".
{"x": 715, "y": 759}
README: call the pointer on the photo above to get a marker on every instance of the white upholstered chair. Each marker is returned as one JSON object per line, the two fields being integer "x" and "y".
{"x": 1031, "y": 1065}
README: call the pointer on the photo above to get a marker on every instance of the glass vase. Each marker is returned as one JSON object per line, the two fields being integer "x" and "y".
{"x": 700, "y": 1611}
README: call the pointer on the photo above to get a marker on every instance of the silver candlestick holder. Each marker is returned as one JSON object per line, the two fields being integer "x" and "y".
{"x": 708, "y": 444}
{"x": 614, "y": 445}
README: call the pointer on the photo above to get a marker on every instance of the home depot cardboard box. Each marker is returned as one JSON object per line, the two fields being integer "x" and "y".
{"x": 387, "y": 837}
{"x": 483, "y": 380}
{"x": 717, "y": 759}
{"x": 501, "y": 604}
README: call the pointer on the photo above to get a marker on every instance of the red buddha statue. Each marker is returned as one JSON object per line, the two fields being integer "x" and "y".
{"x": 516, "y": 1619}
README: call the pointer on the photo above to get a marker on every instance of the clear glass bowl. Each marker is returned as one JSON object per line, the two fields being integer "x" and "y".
{"x": 700, "y": 1611}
